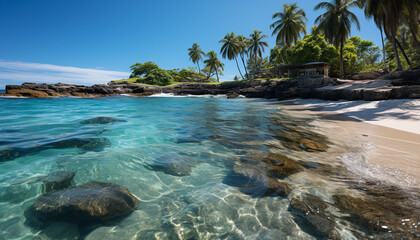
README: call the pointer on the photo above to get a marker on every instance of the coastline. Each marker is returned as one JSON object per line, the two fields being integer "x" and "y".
{"x": 389, "y": 144}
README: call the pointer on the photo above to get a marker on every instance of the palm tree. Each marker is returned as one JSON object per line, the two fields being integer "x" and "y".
{"x": 230, "y": 49}
{"x": 243, "y": 43}
{"x": 257, "y": 44}
{"x": 290, "y": 25}
{"x": 196, "y": 54}
{"x": 213, "y": 63}
{"x": 387, "y": 15}
{"x": 335, "y": 23}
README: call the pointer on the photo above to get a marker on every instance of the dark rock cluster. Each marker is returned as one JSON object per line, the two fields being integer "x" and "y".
{"x": 396, "y": 85}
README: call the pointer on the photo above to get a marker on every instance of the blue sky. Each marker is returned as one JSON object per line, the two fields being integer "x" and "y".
{"x": 92, "y": 41}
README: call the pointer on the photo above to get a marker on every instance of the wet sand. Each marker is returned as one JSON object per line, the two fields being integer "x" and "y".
{"x": 390, "y": 149}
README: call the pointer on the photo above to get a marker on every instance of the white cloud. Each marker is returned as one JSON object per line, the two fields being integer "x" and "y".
{"x": 15, "y": 72}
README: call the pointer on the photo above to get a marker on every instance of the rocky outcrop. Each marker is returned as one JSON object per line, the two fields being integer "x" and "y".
{"x": 405, "y": 78}
{"x": 38, "y": 90}
{"x": 397, "y": 85}
{"x": 90, "y": 202}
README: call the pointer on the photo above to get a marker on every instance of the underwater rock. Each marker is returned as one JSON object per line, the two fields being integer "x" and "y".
{"x": 310, "y": 145}
{"x": 176, "y": 167}
{"x": 255, "y": 183}
{"x": 381, "y": 215}
{"x": 87, "y": 144}
{"x": 311, "y": 216}
{"x": 278, "y": 164}
{"x": 101, "y": 120}
{"x": 57, "y": 181}
{"x": 296, "y": 138}
{"x": 90, "y": 202}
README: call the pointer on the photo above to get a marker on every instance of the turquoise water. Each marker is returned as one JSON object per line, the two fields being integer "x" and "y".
{"x": 210, "y": 136}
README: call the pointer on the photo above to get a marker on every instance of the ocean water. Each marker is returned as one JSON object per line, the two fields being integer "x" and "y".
{"x": 199, "y": 199}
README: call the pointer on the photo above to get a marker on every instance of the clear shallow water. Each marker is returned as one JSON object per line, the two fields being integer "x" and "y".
{"x": 213, "y": 136}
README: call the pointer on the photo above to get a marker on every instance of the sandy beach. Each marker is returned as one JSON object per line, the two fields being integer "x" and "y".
{"x": 387, "y": 131}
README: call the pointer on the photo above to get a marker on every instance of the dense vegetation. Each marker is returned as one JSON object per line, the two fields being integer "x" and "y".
{"x": 397, "y": 20}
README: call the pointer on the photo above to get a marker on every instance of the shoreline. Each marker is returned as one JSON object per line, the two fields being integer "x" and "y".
{"x": 389, "y": 148}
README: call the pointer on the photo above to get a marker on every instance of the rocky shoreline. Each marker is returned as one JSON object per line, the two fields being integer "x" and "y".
{"x": 397, "y": 85}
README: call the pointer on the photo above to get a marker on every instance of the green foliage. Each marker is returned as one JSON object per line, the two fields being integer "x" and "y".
{"x": 335, "y": 22}
{"x": 142, "y": 69}
{"x": 257, "y": 67}
{"x": 157, "y": 76}
{"x": 367, "y": 53}
{"x": 314, "y": 48}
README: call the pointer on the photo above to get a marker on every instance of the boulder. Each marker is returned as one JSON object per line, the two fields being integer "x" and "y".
{"x": 367, "y": 75}
{"x": 90, "y": 202}
{"x": 232, "y": 95}
{"x": 101, "y": 120}
{"x": 57, "y": 181}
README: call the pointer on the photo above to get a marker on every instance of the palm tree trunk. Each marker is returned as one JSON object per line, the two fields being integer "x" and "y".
{"x": 403, "y": 52}
{"x": 383, "y": 51}
{"x": 238, "y": 67}
{"x": 341, "y": 60}
{"x": 246, "y": 70}
{"x": 199, "y": 71}
{"x": 416, "y": 41}
{"x": 217, "y": 75}
{"x": 397, "y": 56}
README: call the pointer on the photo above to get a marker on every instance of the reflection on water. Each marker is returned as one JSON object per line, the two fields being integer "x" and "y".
{"x": 203, "y": 168}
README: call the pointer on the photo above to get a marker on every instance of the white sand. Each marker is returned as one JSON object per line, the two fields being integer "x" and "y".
{"x": 402, "y": 114}
{"x": 388, "y": 131}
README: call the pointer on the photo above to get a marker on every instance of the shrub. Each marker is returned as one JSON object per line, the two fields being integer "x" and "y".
{"x": 157, "y": 77}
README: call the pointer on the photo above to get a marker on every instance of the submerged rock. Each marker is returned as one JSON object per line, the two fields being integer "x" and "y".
{"x": 278, "y": 164}
{"x": 256, "y": 183}
{"x": 101, "y": 120}
{"x": 87, "y": 144}
{"x": 296, "y": 138}
{"x": 90, "y": 202}
{"x": 176, "y": 167}
{"x": 311, "y": 216}
{"x": 57, "y": 181}
{"x": 381, "y": 215}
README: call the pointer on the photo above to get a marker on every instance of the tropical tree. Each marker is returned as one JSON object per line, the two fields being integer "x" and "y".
{"x": 290, "y": 24}
{"x": 256, "y": 45}
{"x": 243, "y": 43}
{"x": 388, "y": 15}
{"x": 214, "y": 64}
{"x": 142, "y": 69}
{"x": 336, "y": 22}
{"x": 230, "y": 49}
{"x": 196, "y": 55}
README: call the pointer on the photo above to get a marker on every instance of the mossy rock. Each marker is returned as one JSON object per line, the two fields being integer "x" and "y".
{"x": 381, "y": 215}
{"x": 278, "y": 164}
{"x": 296, "y": 138}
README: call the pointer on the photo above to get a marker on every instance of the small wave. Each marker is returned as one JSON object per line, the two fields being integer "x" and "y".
{"x": 357, "y": 162}
{"x": 189, "y": 95}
